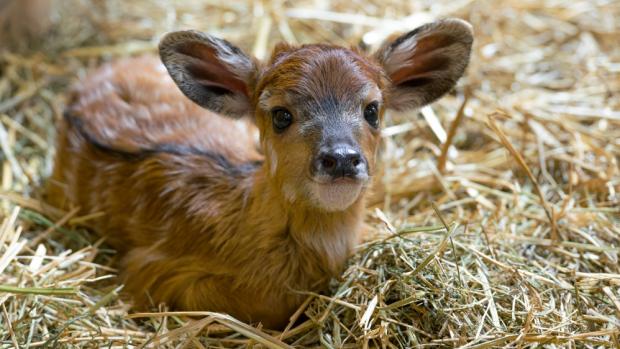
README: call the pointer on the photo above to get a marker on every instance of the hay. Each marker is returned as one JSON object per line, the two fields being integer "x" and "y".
{"x": 521, "y": 247}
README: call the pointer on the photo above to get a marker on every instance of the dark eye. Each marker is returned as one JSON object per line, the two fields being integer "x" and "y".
{"x": 282, "y": 119}
{"x": 371, "y": 114}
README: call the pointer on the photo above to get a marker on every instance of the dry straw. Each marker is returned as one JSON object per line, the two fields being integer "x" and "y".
{"x": 520, "y": 247}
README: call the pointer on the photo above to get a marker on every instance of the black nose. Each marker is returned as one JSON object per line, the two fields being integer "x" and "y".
{"x": 340, "y": 161}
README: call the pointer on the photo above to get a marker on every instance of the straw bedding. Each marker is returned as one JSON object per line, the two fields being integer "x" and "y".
{"x": 495, "y": 221}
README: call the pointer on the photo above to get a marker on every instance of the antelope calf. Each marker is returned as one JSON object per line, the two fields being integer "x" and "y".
{"x": 244, "y": 183}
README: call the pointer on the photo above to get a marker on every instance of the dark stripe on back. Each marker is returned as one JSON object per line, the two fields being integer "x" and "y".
{"x": 165, "y": 148}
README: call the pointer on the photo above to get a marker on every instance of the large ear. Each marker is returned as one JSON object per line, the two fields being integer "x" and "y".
{"x": 210, "y": 71}
{"x": 426, "y": 62}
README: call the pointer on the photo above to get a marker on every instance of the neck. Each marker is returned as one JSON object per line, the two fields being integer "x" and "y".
{"x": 315, "y": 241}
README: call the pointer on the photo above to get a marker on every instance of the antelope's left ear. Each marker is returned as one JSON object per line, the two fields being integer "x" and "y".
{"x": 425, "y": 63}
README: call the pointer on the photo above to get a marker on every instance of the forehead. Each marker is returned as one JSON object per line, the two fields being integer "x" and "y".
{"x": 319, "y": 73}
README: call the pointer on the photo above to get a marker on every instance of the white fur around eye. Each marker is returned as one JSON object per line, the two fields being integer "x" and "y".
{"x": 273, "y": 159}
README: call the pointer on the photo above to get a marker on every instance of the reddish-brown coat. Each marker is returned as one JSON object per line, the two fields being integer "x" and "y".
{"x": 207, "y": 214}
{"x": 196, "y": 234}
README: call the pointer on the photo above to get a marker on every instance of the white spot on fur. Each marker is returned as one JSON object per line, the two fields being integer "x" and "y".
{"x": 289, "y": 193}
{"x": 273, "y": 159}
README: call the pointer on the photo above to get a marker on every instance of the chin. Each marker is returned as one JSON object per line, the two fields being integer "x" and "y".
{"x": 337, "y": 195}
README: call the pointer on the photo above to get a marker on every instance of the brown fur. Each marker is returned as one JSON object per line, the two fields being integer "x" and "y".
{"x": 207, "y": 215}
{"x": 195, "y": 235}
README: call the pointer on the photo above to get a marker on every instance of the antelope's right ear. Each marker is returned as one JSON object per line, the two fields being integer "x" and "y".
{"x": 210, "y": 71}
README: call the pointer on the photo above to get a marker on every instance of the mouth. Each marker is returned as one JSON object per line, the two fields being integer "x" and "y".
{"x": 326, "y": 180}
{"x": 336, "y": 194}
{"x": 342, "y": 180}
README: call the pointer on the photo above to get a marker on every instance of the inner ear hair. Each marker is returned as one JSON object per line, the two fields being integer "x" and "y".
{"x": 210, "y": 71}
{"x": 426, "y": 62}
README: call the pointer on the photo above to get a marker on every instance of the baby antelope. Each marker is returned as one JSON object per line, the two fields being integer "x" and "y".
{"x": 229, "y": 184}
